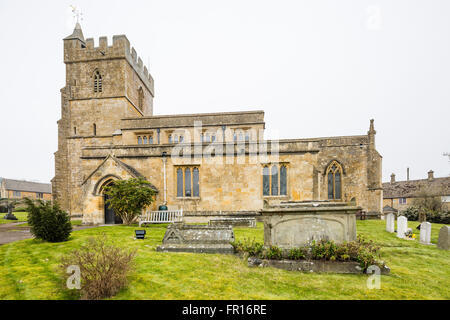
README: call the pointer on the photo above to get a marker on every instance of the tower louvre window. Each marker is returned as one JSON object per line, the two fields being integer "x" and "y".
{"x": 98, "y": 85}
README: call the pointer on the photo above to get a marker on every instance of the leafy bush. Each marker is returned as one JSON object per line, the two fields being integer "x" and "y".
{"x": 273, "y": 253}
{"x": 297, "y": 253}
{"x": 363, "y": 251}
{"x": 103, "y": 268}
{"x": 47, "y": 221}
{"x": 251, "y": 247}
{"x": 439, "y": 217}
{"x": 413, "y": 214}
{"x": 129, "y": 197}
{"x": 3, "y": 208}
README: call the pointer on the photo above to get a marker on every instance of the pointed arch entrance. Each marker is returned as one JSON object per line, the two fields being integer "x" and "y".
{"x": 110, "y": 216}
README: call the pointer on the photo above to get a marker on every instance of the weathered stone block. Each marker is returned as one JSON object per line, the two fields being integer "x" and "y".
{"x": 181, "y": 237}
{"x": 297, "y": 224}
{"x": 444, "y": 238}
{"x": 234, "y": 222}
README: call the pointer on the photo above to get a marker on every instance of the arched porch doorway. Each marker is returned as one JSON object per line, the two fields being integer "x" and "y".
{"x": 110, "y": 215}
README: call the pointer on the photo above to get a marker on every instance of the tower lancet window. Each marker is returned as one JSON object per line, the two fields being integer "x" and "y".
{"x": 98, "y": 83}
{"x": 141, "y": 99}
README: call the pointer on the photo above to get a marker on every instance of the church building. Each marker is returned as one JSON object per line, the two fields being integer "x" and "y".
{"x": 209, "y": 165}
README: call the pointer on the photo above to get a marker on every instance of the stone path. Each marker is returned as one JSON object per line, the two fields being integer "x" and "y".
{"x": 11, "y": 232}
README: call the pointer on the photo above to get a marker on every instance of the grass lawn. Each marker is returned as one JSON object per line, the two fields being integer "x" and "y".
{"x": 28, "y": 270}
{"x": 22, "y": 216}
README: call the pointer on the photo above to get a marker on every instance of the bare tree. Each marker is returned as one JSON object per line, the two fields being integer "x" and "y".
{"x": 427, "y": 203}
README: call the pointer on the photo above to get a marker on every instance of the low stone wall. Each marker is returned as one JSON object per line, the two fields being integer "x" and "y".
{"x": 234, "y": 222}
{"x": 319, "y": 266}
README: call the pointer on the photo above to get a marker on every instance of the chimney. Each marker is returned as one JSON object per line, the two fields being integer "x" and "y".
{"x": 407, "y": 174}
{"x": 393, "y": 178}
{"x": 430, "y": 175}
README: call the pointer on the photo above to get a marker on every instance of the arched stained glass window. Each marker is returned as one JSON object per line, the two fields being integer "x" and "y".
{"x": 283, "y": 180}
{"x": 195, "y": 182}
{"x": 266, "y": 181}
{"x": 334, "y": 181}
{"x": 150, "y": 140}
{"x": 145, "y": 140}
{"x": 187, "y": 183}
{"x": 179, "y": 182}
{"x": 139, "y": 140}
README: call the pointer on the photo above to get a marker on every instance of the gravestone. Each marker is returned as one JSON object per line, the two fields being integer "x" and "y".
{"x": 444, "y": 238}
{"x": 425, "y": 233}
{"x": 295, "y": 224}
{"x": 402, "y": 226}
{"x": 390, "y": 222}
{"x": 180, "y": 237}
{"x": 234, "y": 222}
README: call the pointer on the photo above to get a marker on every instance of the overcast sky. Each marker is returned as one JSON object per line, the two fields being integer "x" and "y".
{"x": 317, "y": 68}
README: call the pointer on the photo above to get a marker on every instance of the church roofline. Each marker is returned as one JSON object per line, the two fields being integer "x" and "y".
{"x": 188, "y": 115}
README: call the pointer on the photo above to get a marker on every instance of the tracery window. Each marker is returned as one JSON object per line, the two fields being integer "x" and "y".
{"x": 334, "y": 181}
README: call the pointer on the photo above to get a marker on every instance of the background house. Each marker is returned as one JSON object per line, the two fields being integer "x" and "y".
{"x": 19, "y": 189}
{"x": 400, "y": 194}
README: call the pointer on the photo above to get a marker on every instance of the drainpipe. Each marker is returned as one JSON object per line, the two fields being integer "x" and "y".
{"x": 164, "y": 157}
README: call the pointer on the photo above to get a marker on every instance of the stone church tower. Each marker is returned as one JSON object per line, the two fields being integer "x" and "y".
{"x": 104, "y": 84}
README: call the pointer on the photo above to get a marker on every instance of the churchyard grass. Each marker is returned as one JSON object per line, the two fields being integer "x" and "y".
{"x": 21, "y": 216}
{"x": 29, "y": 270}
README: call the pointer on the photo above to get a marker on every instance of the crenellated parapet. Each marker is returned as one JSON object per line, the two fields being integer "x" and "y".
{"x": 78, "y": 50}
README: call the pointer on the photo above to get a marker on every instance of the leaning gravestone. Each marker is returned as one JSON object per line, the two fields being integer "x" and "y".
{"x": 444, "y": 238}
{"x": 390, "y": 222}
{"x": 402, "y": 226}
{"x": 180, "y": 237}
{"x": 425, "y": 233}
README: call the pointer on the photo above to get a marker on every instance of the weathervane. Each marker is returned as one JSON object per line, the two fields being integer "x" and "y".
{"x": 77, "y": 14}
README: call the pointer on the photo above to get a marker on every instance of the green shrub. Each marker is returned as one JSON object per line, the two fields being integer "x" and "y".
{"x": 412, "y": 213}
{"x": 297, "y": 253}
{"x": 252, "y": 247}
{"x": 47, "y": 221}
{"x": 273, "y": 253}
{"x": 104, "y": 268}
{"x": 364, "y": 252}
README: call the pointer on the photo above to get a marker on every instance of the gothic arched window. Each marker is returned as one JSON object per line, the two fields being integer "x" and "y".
{"x": 98, "y": 82}
{"x": 334, "y": 181}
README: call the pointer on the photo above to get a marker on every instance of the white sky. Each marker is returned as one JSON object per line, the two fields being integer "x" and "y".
{"x": 317, "y": 68}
